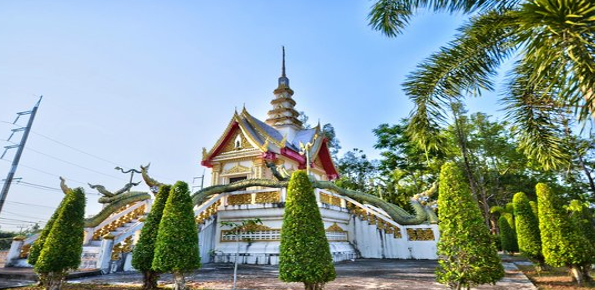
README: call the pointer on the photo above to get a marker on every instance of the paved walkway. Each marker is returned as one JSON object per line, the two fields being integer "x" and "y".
{"x": 362, "y": 274}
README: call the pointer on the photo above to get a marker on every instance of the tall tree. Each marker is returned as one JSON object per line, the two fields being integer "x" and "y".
{"x": 304, "y": 253}
{"x": 357, "y": 171}
{"x": 64, "y": 244}
{"x": 467, "y": 255}
{"x": 176, "y": 248}
{"x": 144, "y": 251}
{"x": 553, "y": 42}
{"x": 563, "y": 244}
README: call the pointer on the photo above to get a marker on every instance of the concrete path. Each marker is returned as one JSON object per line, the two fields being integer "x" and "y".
{"x": 361, "y": 274}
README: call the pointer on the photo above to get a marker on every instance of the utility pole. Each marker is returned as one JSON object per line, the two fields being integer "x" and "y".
{"x": 21, "y": 146}
{"x": 202, "y": 182}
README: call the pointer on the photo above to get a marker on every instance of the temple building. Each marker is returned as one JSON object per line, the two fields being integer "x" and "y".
{"x": 251, "y": 162}
{"x": 248, "y": 144}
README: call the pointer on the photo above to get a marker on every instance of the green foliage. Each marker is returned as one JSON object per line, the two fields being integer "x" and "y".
{"x": 527, "y": 228}
{"x": 176, "y": 248}
{"x": 583, "y": 217}
{"x": 552, "y": 42}
{"x": 64, "y": 244}
{"x": 507, "y": 236}
{"x": 563, "y": 244}
{"x": 305, "y": 254}
{"x": 467, "y": 255}
{"x": 6, "y": 239}
{"x": 142, "y": 256}
{"x": 37, "y": 246}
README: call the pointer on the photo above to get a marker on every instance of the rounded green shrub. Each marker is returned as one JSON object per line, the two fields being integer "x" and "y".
{"x": 467, "y": 255}
{"x": 527, "y": 228}
{"x": 305, "y": 254}
{"x": 144, "y": 251}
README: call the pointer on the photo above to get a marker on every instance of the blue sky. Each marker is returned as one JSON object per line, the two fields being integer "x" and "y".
{"x": 132, "y": 82}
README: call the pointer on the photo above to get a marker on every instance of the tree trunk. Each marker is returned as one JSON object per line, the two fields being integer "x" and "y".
{"x": 577, "y": 274}
{"x": 150, "y": 280}
{"x": 42, "y": 279}
{"x": 180, "y": 282}
{"x": 586, "y": 276}
{"x": 313, "y": 286}
{"x": 54, "y": 280}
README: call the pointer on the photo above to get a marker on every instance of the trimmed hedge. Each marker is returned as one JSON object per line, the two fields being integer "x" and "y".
{"x": 305, "y": 254}
{"x": 467, "y": 255}
{"x": 527, "y": 228}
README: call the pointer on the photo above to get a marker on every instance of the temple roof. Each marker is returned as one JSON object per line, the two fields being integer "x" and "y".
{"x": 269, "y": 140}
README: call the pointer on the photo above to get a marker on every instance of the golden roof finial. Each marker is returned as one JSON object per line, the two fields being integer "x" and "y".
{"x": 283, "y": 141}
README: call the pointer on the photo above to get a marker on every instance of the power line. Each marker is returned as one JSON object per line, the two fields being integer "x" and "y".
{"x": 16, "y": 220}
{"x": 83, "y": 152}
{"x": 22, "y": 215}
{"x": 67, "y": 162}
{"x": 30, "y": 204}
{"x": 86, "y": 153}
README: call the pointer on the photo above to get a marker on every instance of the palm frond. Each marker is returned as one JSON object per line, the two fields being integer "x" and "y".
{"x": 533, "y": 114}
{"x": 466, "y": 66}
{"x": 559, "y": 39}
{"x": 391, "y": 16}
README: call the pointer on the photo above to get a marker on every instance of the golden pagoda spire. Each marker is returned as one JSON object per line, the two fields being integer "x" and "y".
{"x": 283, "y": 113}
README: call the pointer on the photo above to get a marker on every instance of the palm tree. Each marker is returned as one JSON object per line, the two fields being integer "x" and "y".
{"x": 552, "y": 41}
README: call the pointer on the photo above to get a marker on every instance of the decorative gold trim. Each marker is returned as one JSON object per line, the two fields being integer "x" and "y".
{"x": 335, "y": 228}
{"x": 420, "y": 234}
{"x": 238, "y": 169}
{"x": 268, "y": 197}
{"x": 237, "y": 199}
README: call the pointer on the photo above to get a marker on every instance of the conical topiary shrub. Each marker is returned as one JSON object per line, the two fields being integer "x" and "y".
{"x": 176, "y": 248}
{"x": 507, "y": 236}
{"x": 305, "y": 254}
{"x": 467, "y": 255}
{"x": 144, "y": 251}
{"x": 562, "y": 242}
{"x": 64, "y": 244}
{"x": 527, "y": 228}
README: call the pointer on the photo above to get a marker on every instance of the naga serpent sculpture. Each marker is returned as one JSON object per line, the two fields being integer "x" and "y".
{"x": 114, "y": 202}
{"x": 421, "y": 214}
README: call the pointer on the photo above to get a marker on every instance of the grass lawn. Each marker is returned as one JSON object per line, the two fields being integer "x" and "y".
{"x": 553, "y": 279}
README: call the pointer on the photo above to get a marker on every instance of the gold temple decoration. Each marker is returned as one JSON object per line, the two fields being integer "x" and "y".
{"x": 335, "y": 228}
{"x": 420, "y": 234}
{"x": 238, "y": 169}
{"x": 238, "y": 199}
{"x": 363, "y": 215}
{"x": 133, "y": 215}
{"x": 330, "y": 199}
{"x": 232, "y": 146}
{"x": 208, "y": 212}
{"x": 25, "y": 251}
{"x": 268, "y": 197}
{"x": 122, "y": 247}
